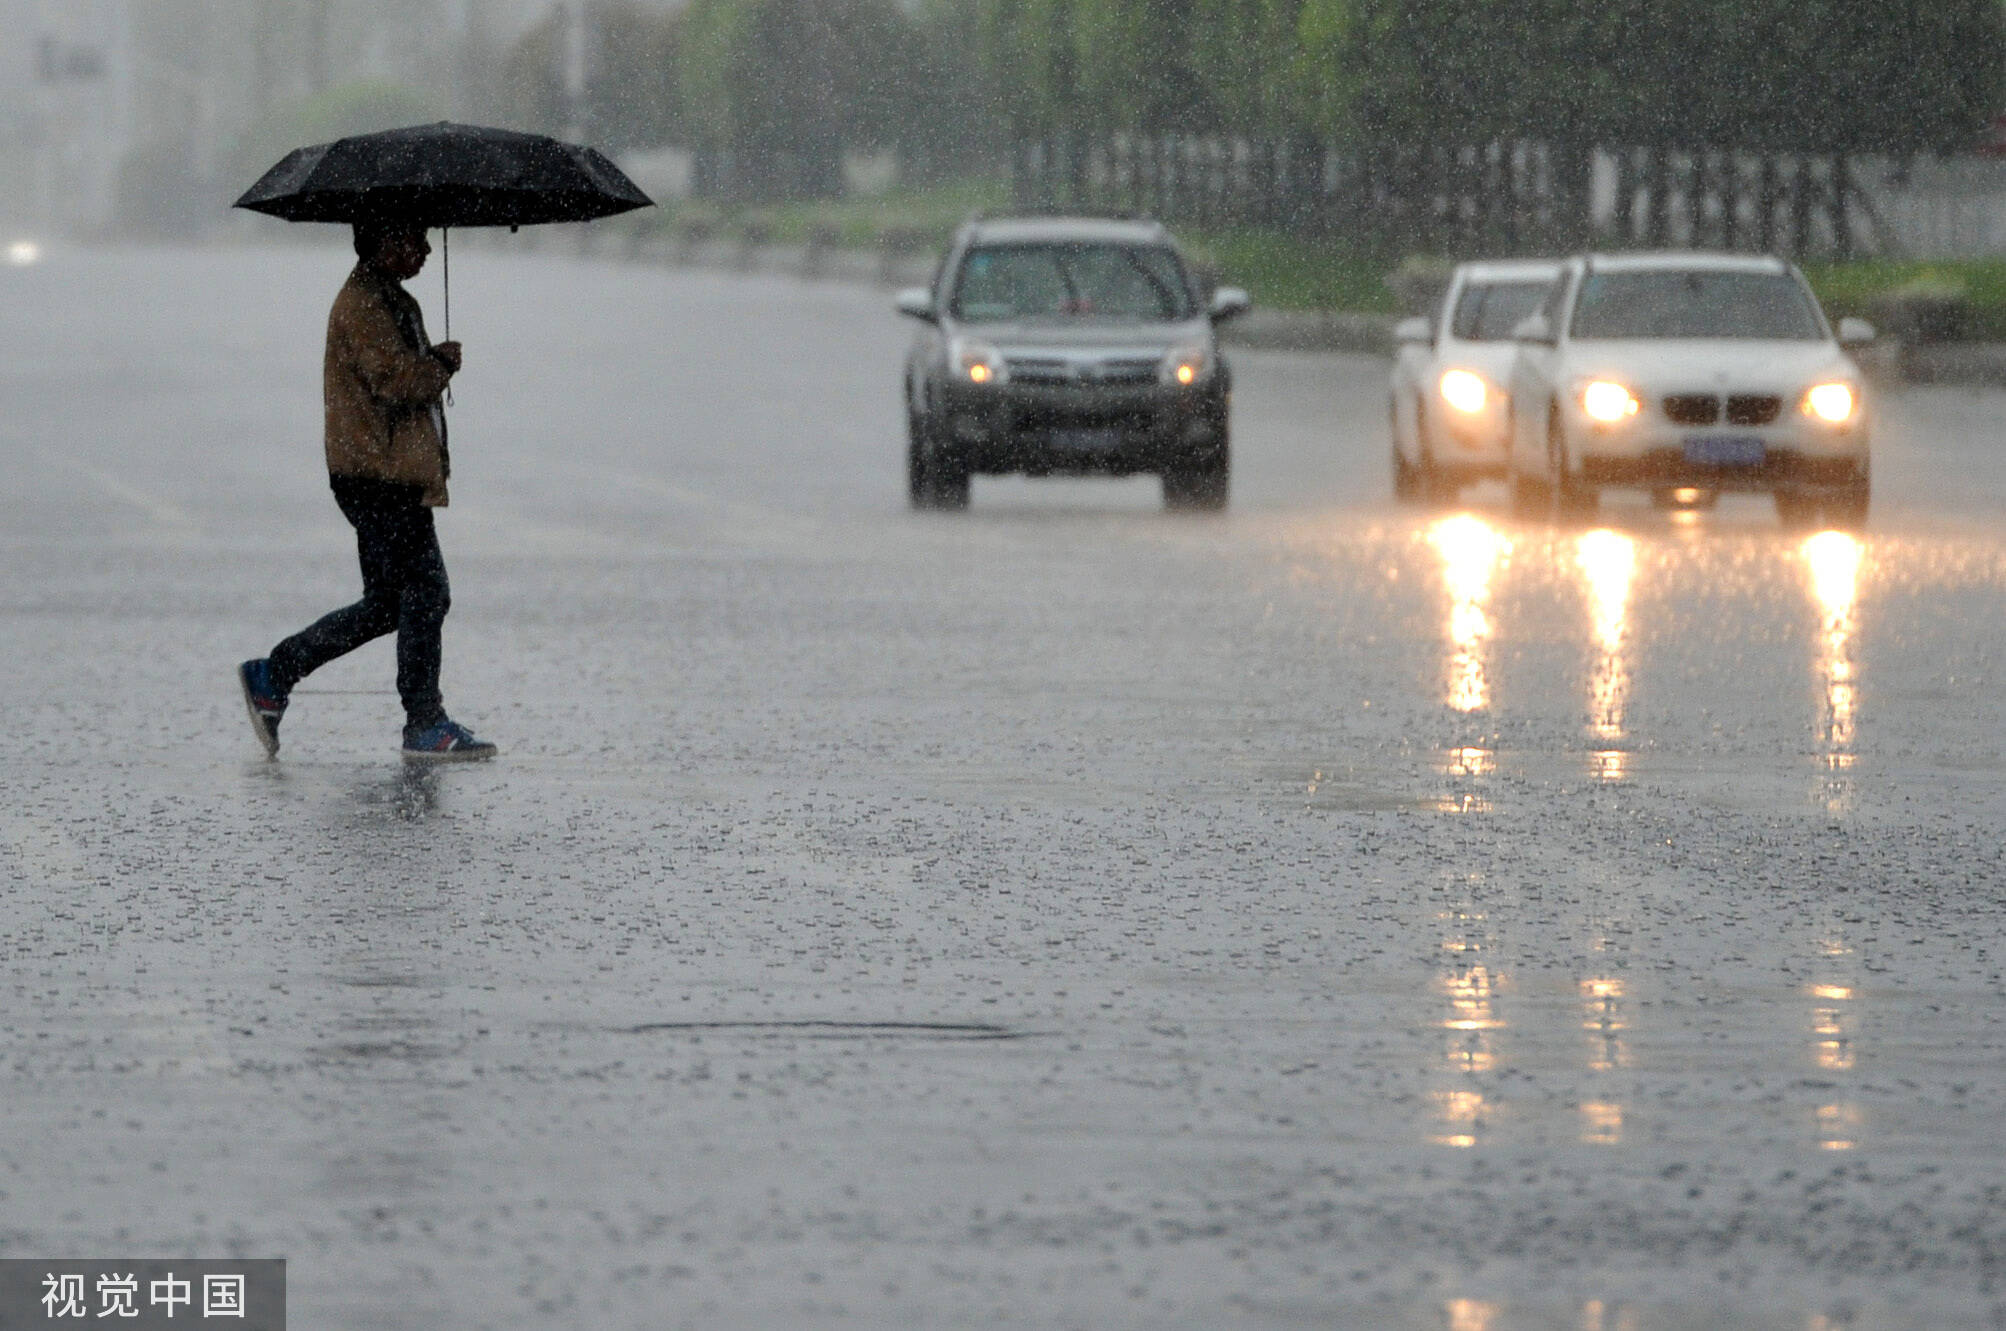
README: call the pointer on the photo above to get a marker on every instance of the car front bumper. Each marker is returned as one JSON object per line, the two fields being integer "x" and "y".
{"x": 1039, "y": 430}
{"x": 1780, "y": 469}
{"x": 1792, "y": 455}
{"x": 1468, "y": 446}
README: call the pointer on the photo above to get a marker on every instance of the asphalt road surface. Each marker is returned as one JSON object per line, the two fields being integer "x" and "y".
{"x": 1062, "y": 914}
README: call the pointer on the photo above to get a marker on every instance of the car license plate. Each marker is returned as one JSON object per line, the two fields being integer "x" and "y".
{"x": 1086, "y": 440}
{"x": 1724, "y": 450}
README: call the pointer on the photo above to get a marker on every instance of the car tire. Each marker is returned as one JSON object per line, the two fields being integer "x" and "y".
{"x": 1199, "y": 485}
{"x": 915, "y": 461}
{"x": 1406, "y": 477}
{"x": 1571, "y": 499}
{"x": 934, "y": 479}
{"x": 947, "y": 478}
{"x": 1436, "y": 489}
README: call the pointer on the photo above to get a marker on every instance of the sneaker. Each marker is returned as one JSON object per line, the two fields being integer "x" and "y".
{"x": 265, "y": 703}
{"x": 446, "y": 742}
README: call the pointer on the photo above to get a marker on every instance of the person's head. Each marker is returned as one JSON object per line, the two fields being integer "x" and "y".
{"x": 398, "y": 249}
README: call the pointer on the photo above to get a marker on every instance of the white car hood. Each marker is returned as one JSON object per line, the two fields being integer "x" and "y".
{"x": 1672, "y": 365}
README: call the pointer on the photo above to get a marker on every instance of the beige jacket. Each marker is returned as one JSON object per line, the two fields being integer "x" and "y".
{"x": 381, "y": 386}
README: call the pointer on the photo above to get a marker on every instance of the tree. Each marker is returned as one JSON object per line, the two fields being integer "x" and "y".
{"x": 774, "y": 91}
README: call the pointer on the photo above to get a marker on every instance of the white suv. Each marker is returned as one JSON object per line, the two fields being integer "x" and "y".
{"x": 1687, "y": 375}
{"x": 1448, "y": 384}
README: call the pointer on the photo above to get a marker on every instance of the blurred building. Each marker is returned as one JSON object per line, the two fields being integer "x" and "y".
{"x": 135, "y": 113}
{"x": 65, "y": 101}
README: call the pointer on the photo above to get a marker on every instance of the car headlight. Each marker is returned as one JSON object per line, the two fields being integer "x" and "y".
{"x": 1186, "y": 365}
{"x": 1608, "y": 401}
{"x": 1834, "y": 404}
{"x": 1464, "y": 391}
{"x": 979, "y": 363}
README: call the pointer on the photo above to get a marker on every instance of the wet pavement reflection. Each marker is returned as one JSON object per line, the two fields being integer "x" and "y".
{"x": 1470, "y": 989}
{"x": 1490, "y": 583}
{"x": 1608, "y": 561}
{"x": 1063, "y": 912}
{"x": 1489, "y": 592}
{"x": 1604, "y": 1019}
{"x": 1834, "y": 560}
{"x": 1471, "y": 551}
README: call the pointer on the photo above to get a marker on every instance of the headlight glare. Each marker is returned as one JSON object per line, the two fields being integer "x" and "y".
{"x": 1464, "y": 391}
{"x": 980, "y": 363}
{"x": 1833, "y": 404}
{"x": 1608, "y": 402}
{"x": 1186, "y": 365}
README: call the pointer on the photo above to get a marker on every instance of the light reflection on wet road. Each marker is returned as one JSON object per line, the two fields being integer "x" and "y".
{"x": 1341, "y": 915}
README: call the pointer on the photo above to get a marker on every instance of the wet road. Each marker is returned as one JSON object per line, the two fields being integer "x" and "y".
{"x": 1062, "y": 914}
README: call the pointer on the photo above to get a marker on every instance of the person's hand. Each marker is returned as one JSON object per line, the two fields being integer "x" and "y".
{"x": 449, "y": 353}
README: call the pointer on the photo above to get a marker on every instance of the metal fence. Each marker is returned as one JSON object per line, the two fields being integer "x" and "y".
{"x": 1526, "y": 196}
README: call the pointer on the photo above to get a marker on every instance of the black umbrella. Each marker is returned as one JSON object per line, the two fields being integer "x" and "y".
{"x": 445, "y": 175}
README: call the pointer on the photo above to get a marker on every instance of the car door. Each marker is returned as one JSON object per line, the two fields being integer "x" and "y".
{"x": 927, "y": 358}
{"x": 1535, "y": 380}
{"x": 1415, "y": 369}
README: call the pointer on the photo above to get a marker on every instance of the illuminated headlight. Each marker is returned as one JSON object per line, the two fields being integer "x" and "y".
{"x": 1186, "y": 365}
{"x": 1464, "y": 391}
{"x": 980, "y": 363}
{"x": 23, "y": 252}
{"x": 1833, "y": 404}
{"x": 1608, "y": 402}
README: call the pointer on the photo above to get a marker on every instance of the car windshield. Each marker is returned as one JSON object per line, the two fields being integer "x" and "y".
{"x": 1071, "y": 281}
{"x": 1488, "y": 311}
{"x": 1695, "y": 303}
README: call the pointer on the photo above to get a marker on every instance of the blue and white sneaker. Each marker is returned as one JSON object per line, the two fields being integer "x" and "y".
{"x": 446, "y": 742}
{"x": 264, "y": 702}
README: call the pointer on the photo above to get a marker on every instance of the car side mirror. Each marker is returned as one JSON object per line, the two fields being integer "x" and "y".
{"x": 1535, "y": 328}
{"x": 1229, "y": 303}
{"x": 1415, "y": 329}
{"x": 1856, "y": 333}
{"x": 917, "y": 303}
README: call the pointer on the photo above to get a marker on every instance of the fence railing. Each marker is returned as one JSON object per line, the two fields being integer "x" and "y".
{"x": 1528, "y": 195}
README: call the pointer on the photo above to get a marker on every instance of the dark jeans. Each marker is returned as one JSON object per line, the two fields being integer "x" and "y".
{"x": 403, "y": 588}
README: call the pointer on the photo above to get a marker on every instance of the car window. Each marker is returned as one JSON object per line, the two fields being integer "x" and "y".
{"x": 1488, "y": 311}
{"x": 1695, "y": 303}
{"x": 1071, "y": 281}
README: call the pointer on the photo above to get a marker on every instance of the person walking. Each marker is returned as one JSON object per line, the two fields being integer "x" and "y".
{"x": 382, "y": 384}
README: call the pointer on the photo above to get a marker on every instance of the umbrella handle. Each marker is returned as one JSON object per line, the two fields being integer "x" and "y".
{"x": 446, "y": 285}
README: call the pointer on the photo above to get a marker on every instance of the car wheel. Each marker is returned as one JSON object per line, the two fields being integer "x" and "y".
{"x": 1435, "y": 487}
{"x": 934, "y": 478}
{"x": 1406, "y": 479}
{"x": 948, "y": 479}
{"x": 915, "y": 461}
{"x": 1570, "y": 497}
{"x": 1199, "y": 485}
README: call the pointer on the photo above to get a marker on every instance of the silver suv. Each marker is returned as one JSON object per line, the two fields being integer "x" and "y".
{"x": 1067, "y": 346}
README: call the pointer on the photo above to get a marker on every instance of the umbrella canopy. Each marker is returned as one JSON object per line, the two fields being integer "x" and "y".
{"x": 444, "y": 175}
